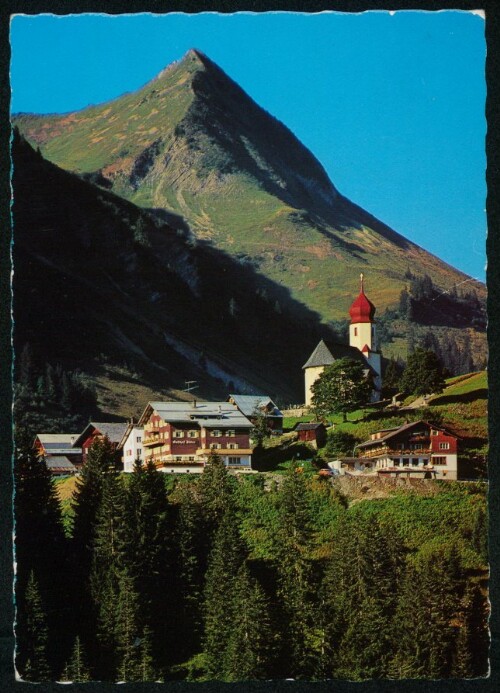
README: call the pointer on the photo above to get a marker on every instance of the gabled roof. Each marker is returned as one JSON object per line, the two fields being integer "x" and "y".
{"x": 58, "y": 443}
{"x": 312, "y": 426}
{"x": 401, "y": 429}
{"x": 249, "y": 404}
{"x": 113, "y": 431}
{"x": 59, "y": 463}
{"x": 127, "y": 432}
{"x": 208, "y": 414}
{"x": 327, "y": 352}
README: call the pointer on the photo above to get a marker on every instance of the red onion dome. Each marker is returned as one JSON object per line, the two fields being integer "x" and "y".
{"x": 362, "y": 309}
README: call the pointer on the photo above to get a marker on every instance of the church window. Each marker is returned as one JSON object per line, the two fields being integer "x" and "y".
{"x": 355, "y": 331}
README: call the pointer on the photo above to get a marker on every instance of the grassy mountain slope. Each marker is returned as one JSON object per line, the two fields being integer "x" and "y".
{"x": 98, "y": 282}
{"x": 193, "y": 143}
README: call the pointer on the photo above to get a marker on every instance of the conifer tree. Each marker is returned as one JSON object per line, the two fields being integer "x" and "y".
{"x": 249, "y": 649}
{"x": 225, "y": 560}
{"x": 32, "y": 635}
{"x": 190, "y": 551}
{"x": 87, "y": 497}
{"x": 128, "y": 631}
{"x": 297, "y": 581}
{"x": 76, "y": 669}
{"x": 41, "y": 546}
{"x": 109, "y": 550}
{"x": 428, "y": 606}
{"x": 148, "y": 553}
{"x": 215, "y": 490}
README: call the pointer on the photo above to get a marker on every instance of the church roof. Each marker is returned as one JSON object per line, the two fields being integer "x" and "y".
{"x": 328, "y": 352}
{"x": 362, "y": 309}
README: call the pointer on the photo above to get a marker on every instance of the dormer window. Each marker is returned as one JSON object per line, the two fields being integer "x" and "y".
{"x": 216, "y": 433}
{"x": 178, "y": 434}
{"x": 193, "y": 434}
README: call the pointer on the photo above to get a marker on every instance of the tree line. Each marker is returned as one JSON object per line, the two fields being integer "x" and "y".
{"x": 50, "y": 398}
{"x": 216, "y": 577}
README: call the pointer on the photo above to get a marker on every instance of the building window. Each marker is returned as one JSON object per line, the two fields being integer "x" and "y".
{"x": 178, "y": 459}
{"x": 139, "y": 452}
{"x": 232, "y": 446}
{"x": 191, "y": 459}
{"x": 215, "y": 446}
{"x": 444, "y": 446}
{"x": 178, "y": 434}
{"x": 355, "y": 331}
{"x": 231, "y": 433}
{"x": 415, "y": 462}
{"x": 441, "y": 461}
{"x": 406, "y": 461}
{"x": 216, "y": 433}
{"x": 235, "y": 460}
{"x": 193, "y": 434}
{"x": 138, "y": 439}
{"x": 434, "y": 432}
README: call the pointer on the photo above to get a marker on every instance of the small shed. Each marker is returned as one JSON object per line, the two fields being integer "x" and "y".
{"x": 313, "y": 432}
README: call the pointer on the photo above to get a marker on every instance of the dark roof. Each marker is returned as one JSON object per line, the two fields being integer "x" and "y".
{"x": 113, "y": 431}
{"x": 328, "y": 352}
{"x": 401, "y": 429}
{"x": 309, "y": 426}
{"x": 59, "y": 463}
{"x": 249, "y": 404}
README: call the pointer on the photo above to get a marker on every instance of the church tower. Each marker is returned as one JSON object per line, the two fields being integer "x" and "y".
{"x": 362, "y": 347}
{"x": 363, "y": 335}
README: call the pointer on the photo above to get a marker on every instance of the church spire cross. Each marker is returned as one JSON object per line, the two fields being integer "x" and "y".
{"x": 362, "y": 279}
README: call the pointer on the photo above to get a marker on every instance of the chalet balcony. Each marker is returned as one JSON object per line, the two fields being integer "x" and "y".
{"x": 225, "y": 451}
{"x": 162, "y": 460}
{"x": 396, "y": 452}
{"x": 153, "y": 440}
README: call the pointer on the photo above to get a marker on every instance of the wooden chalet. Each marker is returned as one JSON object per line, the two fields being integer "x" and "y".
{"x": 419, "y": 449}
{"x": 61, "y": 452}
{"x": 97, "y": 431}
{"x": 180, "y": 436}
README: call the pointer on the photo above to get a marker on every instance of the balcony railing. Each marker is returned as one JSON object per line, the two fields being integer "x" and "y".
{"x": 154, "y": 440}
{"x": 397, "y": 452}
{"x": 225, "y": 451}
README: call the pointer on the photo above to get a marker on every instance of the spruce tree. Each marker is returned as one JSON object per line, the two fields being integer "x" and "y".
{"x": 32, "y": 635}
{"x": 148, "y": 553}
{"x": 225, "y": 560}
{"x": 428, "y": 606}
{"x": 249, "y": 650}
{"x": 101, "y": 460}
{"x": 41, "y": 546}
{"x": 85, "y": 505}
{"x": 109, "y": 551}
{"x": 215, "y": 489}
{"x": 190, "y": 549}
{"x": 76, "y": 669}
{"x": 297, "y": 581}
{"x": 128, "y": 630}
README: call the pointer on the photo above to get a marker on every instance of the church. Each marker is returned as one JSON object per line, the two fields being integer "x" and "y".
{"x": 362, "y": 347}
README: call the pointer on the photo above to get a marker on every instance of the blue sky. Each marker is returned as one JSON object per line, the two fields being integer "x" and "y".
{"x": 391, "y": 104}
